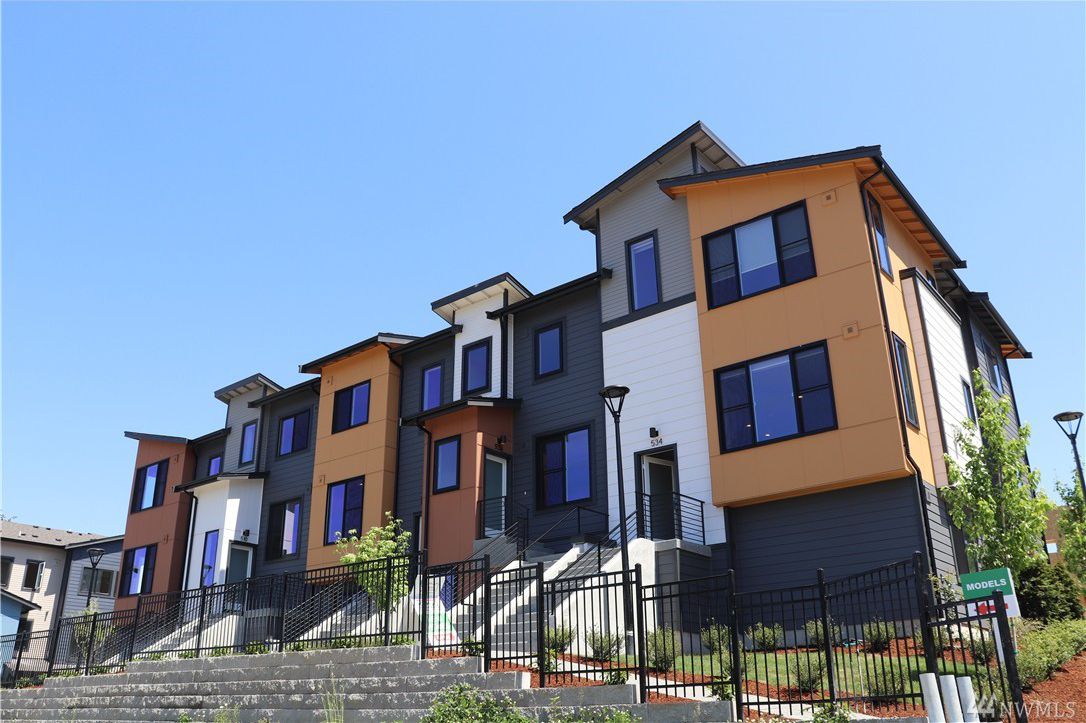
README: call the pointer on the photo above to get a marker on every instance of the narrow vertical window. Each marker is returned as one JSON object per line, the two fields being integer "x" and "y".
{"x": 344, "y": 511}
{"x": 475, "y": 368}
{"x": 210, "y": 559}
{"x": 877, "y": 226}
{"x": 214, "y": 465}
{"x": 644, "y": 276}
{"x": 6, "y": 564}
{"x": 284, "y": 528}
{"x": 138, "y": 570}
{"x": 248, "y": 443}
{"x": 548, "y": 350}
{"x": 351, "y": 407}
{"x": 431, "y": 387}
{"x": 150, "y": 486}
{"x": 447, "y": 464}
{"x": 967, "y": 397}
{"x": 294, "y": 433}
{"x": 904, "y": 373}
{"x": 995, "y": 368}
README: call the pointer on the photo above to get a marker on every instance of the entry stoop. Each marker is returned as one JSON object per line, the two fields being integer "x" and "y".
{"x": 375, "y": 684}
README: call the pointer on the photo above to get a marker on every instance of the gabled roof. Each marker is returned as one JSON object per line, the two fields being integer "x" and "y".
{"x": 36, "y": 534}
{"x": 384, "y": 337}
{"x": 446, "y": 306}
{"x": 981, "y": 307}
{"x": 20, "y": 600}
{"x": 697, "y": 134}
{"x": 242, "y": 386}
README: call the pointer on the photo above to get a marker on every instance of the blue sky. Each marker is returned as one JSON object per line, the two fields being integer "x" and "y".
{"x": 194, "y": 192}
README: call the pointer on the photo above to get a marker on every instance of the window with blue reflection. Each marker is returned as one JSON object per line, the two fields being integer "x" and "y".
{"x": 774, "y": 399}
{"x": 548, "y": 350}
{"x": 431, "y": 387}
{"x": 564, "y": 468}
{"x": 644, "y": 277}
{"x": 476, "y": 367}
{"x": 150, "y": 486}
{"x": 294, "y": 433}
{"x": 137, "y": 570}
{"x": 344, "y": 512}
{"x": 214, "y": 465}
{"x": 447, "y": 464}
{"x": 211, "y": 558}
{"x": 248, "y": 443}
{"x": 351, "y": 407}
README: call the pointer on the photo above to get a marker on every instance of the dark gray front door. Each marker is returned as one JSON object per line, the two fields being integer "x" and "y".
{"x": 659, "y": 477}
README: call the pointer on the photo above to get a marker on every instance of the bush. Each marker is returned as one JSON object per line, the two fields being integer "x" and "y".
{"x": 662, "y": 648}
{"x": 765, "y": 637}
{"x": 815, "y": 638}
{"x": 155, "y": 656}
{"x": 220, "y": 652}
{"x": 473, "y": 647}
{"x": 838, "y": 713}
{"x": 605, "y": 646}
{"x": 1048, "y": 592}
{"x": 716, "y": 638}
{"x": 982, "y": 647}
{"x": 558, "y": 638}
{"x": 939, "y": 636}
{"x": 807, "y": 672}
{"x": 878, "y": 634}
{"x": 1041, "y": 652}
{"x": 601, "y": 715}
{"x": 721, "y": 688}
{"x": 462, "y": 702}
{"x": 255, "y": 648}
{"x": 615, "y": 677}
{"x": 187, "y": 655}
{"x": 886, "y": 682}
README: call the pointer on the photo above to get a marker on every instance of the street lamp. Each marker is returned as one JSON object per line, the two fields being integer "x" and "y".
{"x": 613, "y": 397}
{"x": 95, "y": 556}
{"x": 1069, "y": 423}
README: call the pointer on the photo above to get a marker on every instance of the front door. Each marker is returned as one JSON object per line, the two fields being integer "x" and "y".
{"x": 658, "y": 475}
{"x": 239, "y": 565}
{"x": 495, "y": 481}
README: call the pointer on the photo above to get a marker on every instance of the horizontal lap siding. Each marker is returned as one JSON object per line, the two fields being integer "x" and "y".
{"x": 559, "y": 403}
{"x": 205, "y": 452}
{"x": 238, "y": 414}
{"x": 942, "y": 534}
{"x": 74, "y": 601}
{"x": 979, "y": 336}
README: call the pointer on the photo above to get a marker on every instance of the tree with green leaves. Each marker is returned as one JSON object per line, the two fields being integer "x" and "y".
{"x": 372, "y": 556}
{"x": 993, "y": 496}
{"x": 1072, "y": 525}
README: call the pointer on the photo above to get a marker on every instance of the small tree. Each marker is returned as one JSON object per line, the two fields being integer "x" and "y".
{"x": 994, "y": 497}
{"x": 361, "y": 553}
{"x": 1072, "y": 524}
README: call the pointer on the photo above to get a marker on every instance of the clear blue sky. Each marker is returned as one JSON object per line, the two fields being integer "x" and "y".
{"x": 194, "y": 192}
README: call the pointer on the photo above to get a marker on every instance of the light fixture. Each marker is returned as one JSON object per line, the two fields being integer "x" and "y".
{"x": 1069, "y": 423}
{"x": 613, "y": 397}
{"x": 653, "y": 432}
{"x": 95, "y": 555}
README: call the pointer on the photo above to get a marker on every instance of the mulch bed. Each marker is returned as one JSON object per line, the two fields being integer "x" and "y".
{"x": 1063, "y": 697}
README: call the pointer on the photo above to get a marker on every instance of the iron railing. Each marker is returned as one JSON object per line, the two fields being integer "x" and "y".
{"x": 671, "y": 515}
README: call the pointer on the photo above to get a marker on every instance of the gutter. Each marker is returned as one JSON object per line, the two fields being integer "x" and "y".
{"x": 194, "y": 503}
{"x": 424, "y": 526}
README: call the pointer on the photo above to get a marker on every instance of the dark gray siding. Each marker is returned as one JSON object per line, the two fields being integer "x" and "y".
{"x": 289, "y": 477}
{"x": 678, "y": 564}
{"x": 942, "y": 535}
{"x": 204, "y": 453}
{"x": 74, "y": 602}
{"x": 558, "y": 403}
{"x": 783, "y": 543}
{"x": 412, "y": 442}
{"x": 976, "y": 338}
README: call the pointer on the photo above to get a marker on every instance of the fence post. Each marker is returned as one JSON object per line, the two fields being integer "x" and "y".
{"x": 827, "y": 634}
{"x": 388, "y": 600}
{"x": 90, "y": 642}
{"x": 733, "y": 626}
{"x": 20, "y": 643}
{"x": 642, "y": 668}
{"x": 200, "y": 620}
{"x": 424, "y": 596}
{"x": 541, "y": 614}
{"x": 923, "y": 601}
{"x": 1009, "y": 661}
{"x": 135, "y": 629}
{"x": 283, "y": 613}
{"x": 486, "y": 613}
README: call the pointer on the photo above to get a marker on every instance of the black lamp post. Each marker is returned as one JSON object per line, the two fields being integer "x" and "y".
{"x": 613, "y": 397}
{"x": 95, "y": 556}
{"x": 1069, "y": 423}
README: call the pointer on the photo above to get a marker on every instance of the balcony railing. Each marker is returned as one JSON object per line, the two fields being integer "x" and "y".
{"x": 671, "y": 515}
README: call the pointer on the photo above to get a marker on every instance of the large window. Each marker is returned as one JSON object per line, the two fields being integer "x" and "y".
{"x": 548, "y": 350}
{"x": 214, "y": 465}
{"x": 880, "y": 236}
{"x": 755, "y": 256}
{"x": 150, "y": 486}
{"x": 351, "y": 407}
{"x": 905, "y": 376}
{"x": 475, "y": 368}
{"x": 138, "y": 570}
{"x": 564, "y": 468}
{"x": 447, "y": 464}
{"x": 104, "y": 581}
{"x": 284, "y": 527}
{"x": 248, "y": 443}
{"x": 643, "y": 272}
{"x": 777, "y": 397}
{"x": 210, "y": 559}
{"x": 344, "y": 513}
{"x": 294, "y": 433}
{"x": 6, "y": 564}
{"x": 995, "y": 367}
{"x": 32, "y": 574}
{"x": 431, "y": 387}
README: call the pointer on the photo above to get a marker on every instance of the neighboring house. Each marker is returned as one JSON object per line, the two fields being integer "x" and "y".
{"x": 14, "y": 611}
{"x": 102, "y": 582}
{"x": 1053, "y": 536}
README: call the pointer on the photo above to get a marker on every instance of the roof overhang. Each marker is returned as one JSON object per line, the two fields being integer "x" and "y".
{"x": 212, "y": 436}
{"x": 421, "y": 343}
{"x": 19, "y": 600}
{"x": 221, "y": 477}
{"x": 698, "y": 135}
{"x": 244, "y": 386}
{"x": 543, "y": 297}
{"x": 312, "y": 385}
{"x": 459, "y": 404}
{"x": 95, "y": 541}
{"x": 145, "y": 437}
{"x": 870, "y": 165}
{"x": 502, "y": 284}
{"x": 980, "y": 306}
{"x": 386, "y": 339}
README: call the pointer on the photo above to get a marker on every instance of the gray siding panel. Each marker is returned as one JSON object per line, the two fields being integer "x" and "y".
{"x": 558, "y": 403}
{"x": 942, "y": 534}
{"x": 980, "y": 337}
{"x": 205, "y": 452}
{"x": 74, "y": 602}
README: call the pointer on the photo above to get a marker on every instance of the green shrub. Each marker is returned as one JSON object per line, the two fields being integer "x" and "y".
{"x": 155, "y": 656}
{"x": 877, "y": 635}
{"x": 721, "y": 688}
{"x": 940, "y": 637}
{"x": 615, "y": 677}
{"x": 765, "y": 637}
{"x": 473, "y": 647}
{"x": 298, "y": 647}
{"x": 1048, "y": 592}
{"x": 220, "y": 652}
{"x": 462, "y": 702}
{"x": 662, "y": 648}
{"x": 1042, "y": 651}
{"x": 558, "y": 638}
{"x": 886, "y": 682}
{"x": 716, "y": 638}
{"x": 601, "y": 715}
{"x": 184, "y": 718}
{"x": 838, "y": 713}
{"x": 227, "y": 715}
{"x": 187, "y": 655}
{"x": 604, "y": 646}
{"x": 815, "y": 638}
{"x": 807, "y": 673}
{"x": 255, "y": 648}
{"x": 982, "y": 647}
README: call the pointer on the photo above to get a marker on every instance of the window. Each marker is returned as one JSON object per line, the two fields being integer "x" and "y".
{"x": 32, "y": 574}
{"x": 214, "y": 465}
{"x": 351, "y": 407}
{"x": 644, "y": 276}
{"x": 778, "y": 397}
{"x": 967, "y": 396}
{"x": 564, "y": 469}
{"x": 103, "y": 581}
{"x": 248, "y": 442}
{"x": 344, "y": 513}
{"x": 138, "y": 570}
{"x": 904, "y": 373}
{"x": 294, "y": 433}
{"x": 995, "y": 367}
{"x": 765, "y": 253}
{"x": 5, "y": 570}
{"x": 476, "y": 367}
{"x": 447, "y": 464}
{"x": 548, "y": 350}
{"x": 150, "y": 486}
{"x": 284, "y": 525}
{"x": 431, "y": 387}
{"x": 880, "y": 235}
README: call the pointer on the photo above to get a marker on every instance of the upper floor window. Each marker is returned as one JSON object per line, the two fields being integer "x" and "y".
{"x": 880, "y": 235}
{"x": 138, "y": 570}
{"x": 294, "y": 433}
{"x": 447, "y": 464}
{"x": 214, "y": 465}
{"x": 762, "y": 254}
{"x": 351, "y": 407}
{"x": 548, "y": 350}
{"x": 344, "y": 512}
{"x": 777, "y": 397}
{"x": 103, "y": 581}
{"x": 6, "y": 564}
{"x": 905, "y": 377}
{"x": 248, "y": 443}
{"x": 967, "y": 397}
{"x": 476, "y": 367}
{"x": 210, "y": 559}
{"x": 431, "y": 387}
{"x": 32, "y": 574}
{"x": 150, "y": 486}
{"x": 995, "y": 368}
{"x": 284, "y": 527}
{"x": 564, "y": 467}
{"x": 643, "y": 272}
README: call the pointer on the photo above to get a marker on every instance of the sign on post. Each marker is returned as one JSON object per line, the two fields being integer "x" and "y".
{"x": 983, "y": 584}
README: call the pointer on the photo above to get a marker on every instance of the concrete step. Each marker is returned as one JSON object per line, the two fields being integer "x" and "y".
{"x": 392, "y": 653}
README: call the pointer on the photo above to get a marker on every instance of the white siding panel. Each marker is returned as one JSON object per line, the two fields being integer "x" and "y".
{"x": 231, "y": 507}
{"x": 476, "y": 328}
{"x": 659, "y": 359}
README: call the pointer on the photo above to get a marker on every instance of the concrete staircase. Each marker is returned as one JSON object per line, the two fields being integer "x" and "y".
{"x": 373, "y": 684}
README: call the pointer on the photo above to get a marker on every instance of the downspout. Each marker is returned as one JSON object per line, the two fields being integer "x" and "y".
{"x": 193, "y": 504}
{"x": 929, "y": 548}
{"x": 424, "y": 527}
{"x": 399, "y": 433}
{"x": 503, "y": 326}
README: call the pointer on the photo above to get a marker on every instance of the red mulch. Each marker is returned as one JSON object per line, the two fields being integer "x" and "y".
{"x": 1063, "y": 697}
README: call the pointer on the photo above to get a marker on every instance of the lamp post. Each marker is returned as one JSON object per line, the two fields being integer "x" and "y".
{"x": 1069, "y": 423}
{"x": 613, "y": 397}
{"x": 95, "y": 556}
